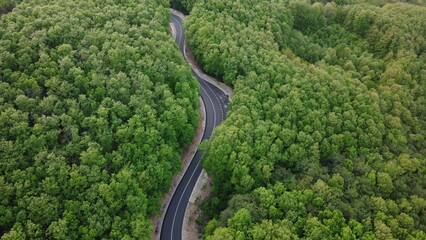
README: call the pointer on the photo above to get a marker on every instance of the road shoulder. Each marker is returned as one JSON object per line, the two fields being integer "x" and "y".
{"x": 201, "y": 192}
{"x": 197, "y": 69}
{"x": 186, "y": 158}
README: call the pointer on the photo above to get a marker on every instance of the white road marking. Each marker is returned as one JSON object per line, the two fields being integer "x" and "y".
{"x": 180, "y": 199}
{"x": 186, "y": 186}
{"x": 220, "y": 105}
{"x": 180, "y": 30}
{"x": 214, "y": 125}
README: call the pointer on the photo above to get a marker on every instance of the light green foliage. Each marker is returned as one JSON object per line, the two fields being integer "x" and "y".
{"x": 329, "y": 99}
{"x": 96, "y": 103}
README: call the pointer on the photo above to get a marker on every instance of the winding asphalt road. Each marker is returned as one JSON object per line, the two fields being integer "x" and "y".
{"x": 215, "y": 102}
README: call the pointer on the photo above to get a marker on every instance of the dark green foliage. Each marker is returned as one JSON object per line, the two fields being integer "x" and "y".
{"x": 96, "y": 103}
{"x": 183, "y": 5}
{"x": 329, "y": 100}
{"x": 6, "y": 6}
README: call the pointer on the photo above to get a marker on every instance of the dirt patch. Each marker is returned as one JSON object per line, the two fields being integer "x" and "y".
{"x": 201, "y": 192}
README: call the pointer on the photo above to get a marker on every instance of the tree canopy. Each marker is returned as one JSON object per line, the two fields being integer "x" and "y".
{"x": 329, "y": 107}
{"x": 96, "y": 104}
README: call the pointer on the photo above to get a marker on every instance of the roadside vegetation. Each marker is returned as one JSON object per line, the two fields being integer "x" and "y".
{"x": 96, "y": 105}
{"x": 325, "y": 137}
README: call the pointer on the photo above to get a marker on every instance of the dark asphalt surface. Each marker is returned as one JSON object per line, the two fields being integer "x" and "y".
{"x": 215, "y": 102}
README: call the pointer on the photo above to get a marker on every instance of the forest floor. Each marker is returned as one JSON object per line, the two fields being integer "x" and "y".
{"x": 186, "y": 158}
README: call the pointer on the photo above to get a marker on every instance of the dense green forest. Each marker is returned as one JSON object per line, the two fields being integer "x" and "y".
{"x": 187, "y": 5}
{"x": 325, "y": 137}
{"x": 96, "y": 103}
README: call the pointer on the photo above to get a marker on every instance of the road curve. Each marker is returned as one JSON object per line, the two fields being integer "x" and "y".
{"x": 215, "y": 103}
